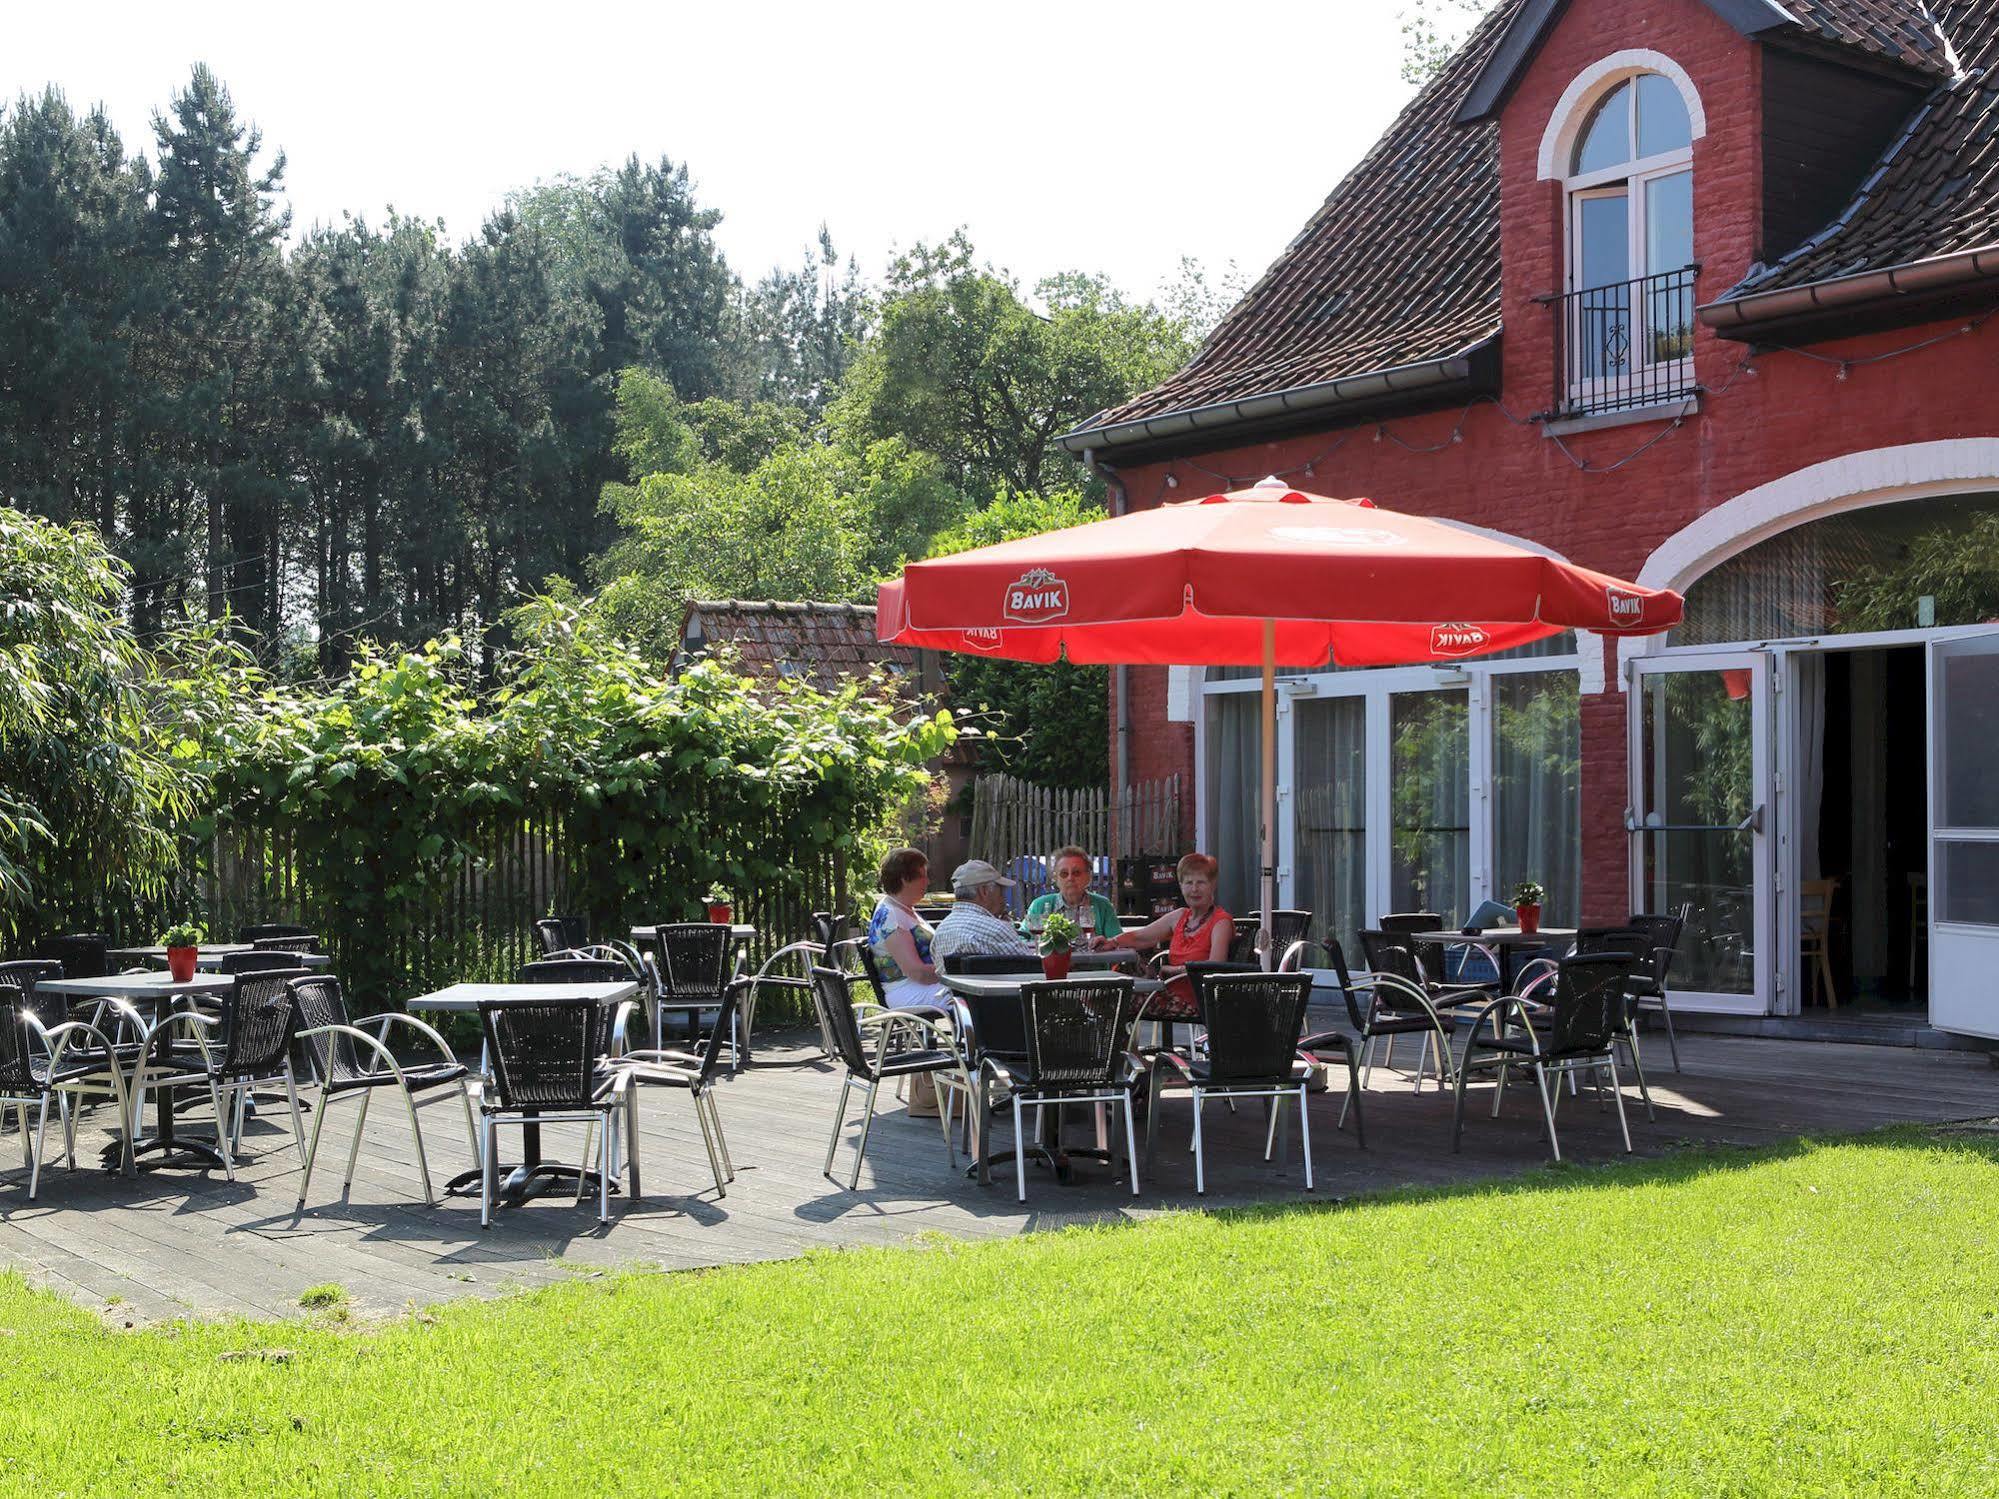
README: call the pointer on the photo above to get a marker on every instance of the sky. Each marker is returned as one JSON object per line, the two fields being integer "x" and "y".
{"x": 1105, "y": 137}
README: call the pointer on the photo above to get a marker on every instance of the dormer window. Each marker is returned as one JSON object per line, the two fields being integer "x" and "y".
{"x": 1627, "y": 314}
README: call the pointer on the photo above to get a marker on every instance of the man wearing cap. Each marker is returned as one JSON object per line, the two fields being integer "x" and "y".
{"x": 977, "y": 921}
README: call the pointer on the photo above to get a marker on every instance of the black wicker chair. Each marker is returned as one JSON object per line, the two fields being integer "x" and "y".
{"x": 1253, "y": 1024}
{"x": 39, "y": 1062}
{"x": 1076, "y": 1038}
{"x": 258, "y": 960}
{"x": 83, "y": 955}
{"x": 1649, "y": 979}
{"x": 547, "y": 1066}
{"x": 1321, "y": 1044}
{"x": 1576, "y": 1032}
{"x": 696, "y": 1073}
{"x": 872, "y": 970}
{"x": 1287, "y": 927}
{"x": 1404, "y": 922}
{"x": 831, "y": 928}
{"x": 926, "y": 1047}
{"x": 1398, "y": 998}
{"x": 261, "y": 1020}
{"x": 1636, "y": 946}
{"x": 347, "y": 1062}
{"x": 266, "y": 929}
{"x": 293, "y": 942}
{"x": 694, "y": 971}
{"x": 560, "y": 934}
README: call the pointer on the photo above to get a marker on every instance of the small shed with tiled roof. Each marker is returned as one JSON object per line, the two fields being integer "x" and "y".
{"x": 825, "y": 644}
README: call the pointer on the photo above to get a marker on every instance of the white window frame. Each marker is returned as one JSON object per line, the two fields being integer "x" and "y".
{"x": 1633, "y": 177}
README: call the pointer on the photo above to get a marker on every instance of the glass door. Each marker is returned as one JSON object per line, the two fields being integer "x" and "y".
{"x": 1700, "y": 769}
{"x": 1430, "y": 803}
{"x": 1330, "y": 779}
{"x": 1964, "y": 837}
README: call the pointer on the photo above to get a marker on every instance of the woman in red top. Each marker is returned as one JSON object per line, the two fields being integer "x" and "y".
{"x": 1198, "y": 932}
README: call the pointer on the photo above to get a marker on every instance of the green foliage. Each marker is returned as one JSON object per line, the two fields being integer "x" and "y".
{"x": 1058, "y": 933}
{"x": 1432, "y": 32}
{"x": 961, "y": 366}
{"x": 1047, "y": 724}
{"x": 1529, "y": 893}
{"x": 752, "y": 507}
{"x": 1955, "y": 564}
{"x": 183, "y": 934}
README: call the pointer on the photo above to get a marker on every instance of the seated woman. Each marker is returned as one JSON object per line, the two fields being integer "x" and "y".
{"x": 899, "y": 939}
{"x": 1095, "y": 917}
{"x": 1198, "y": 932}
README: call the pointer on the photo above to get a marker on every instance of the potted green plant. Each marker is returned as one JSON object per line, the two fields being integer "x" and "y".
{"x": 1527, "y": 898}
{"x": 1058, "y": 937}
{"x": 720, "y": 909}
{"x": 183, "y": 942}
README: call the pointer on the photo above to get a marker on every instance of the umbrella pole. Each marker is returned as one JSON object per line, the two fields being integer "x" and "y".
{"x": 1265, "y": 942}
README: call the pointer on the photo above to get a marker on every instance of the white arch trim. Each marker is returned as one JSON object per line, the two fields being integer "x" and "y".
{"x": 1856, "y": 481}
{"x": 1558, "y": 142}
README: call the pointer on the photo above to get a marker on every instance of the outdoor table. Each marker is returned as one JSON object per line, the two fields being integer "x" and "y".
{"x": 1050, "y": 1152}
{"x": 1508, "y": 942}
{"x": 152, "y": 990}
{"x": 741, "y": 932}
{"x": 533, "y": 1175}
{"x": 208, "y": 957}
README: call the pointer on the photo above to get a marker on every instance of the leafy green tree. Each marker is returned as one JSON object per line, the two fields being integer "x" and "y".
{"x": 961, "y": 366}
{"x": 802, "y": 328}
{"x": 1046, "y": 724}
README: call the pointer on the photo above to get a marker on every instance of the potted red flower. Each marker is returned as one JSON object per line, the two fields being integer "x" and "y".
{"x": 1058, "y": 938}
{"x": 1527, "y": 898}
{"x": 720, "y": 909}
{"x": 183, "y": 944}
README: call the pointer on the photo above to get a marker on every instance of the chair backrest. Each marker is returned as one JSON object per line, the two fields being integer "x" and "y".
{"x": 573, "y": 971}
{"x": 263, "y": 1017}
{"x": 258, "y": 960}
{"x": 551, "y": 935}
{"x": 692, "y": 959}
{"x": 831, "y": 928}
{"x": 1286, "y": 927}
{"x": 999, "y": 1024}
{"x": 320, "y": 1002}
{"x": 287, "y": 942}
{"x": 871, "y": 968}
{"x": 21, "y": 976}
{"x": 1589, "y": 1001}
{"x": 16, "y": 1071}
{"x": 986, "y": 962}
{"x": 1404, "y": 922}
{"x": 543, "y": 1052}
{"x": 83, "y": 955}
{"x": 1393, "y": 953}
{"x": 832, "y": 997}
{"x": 1254, "y": 1022}
{"x": 1242, "y": 946}
{"x": 1663, "y": 933}
{"x": 259, "y": 931}
{"x": 1077, "y": 1031}
{"x": 1815, "y": 906}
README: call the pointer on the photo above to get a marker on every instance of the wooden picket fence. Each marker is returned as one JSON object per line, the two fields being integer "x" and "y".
{"x": 1016, "y": 825}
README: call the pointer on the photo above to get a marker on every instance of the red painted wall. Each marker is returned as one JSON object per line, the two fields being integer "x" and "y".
{"x": 1787, "y": 413}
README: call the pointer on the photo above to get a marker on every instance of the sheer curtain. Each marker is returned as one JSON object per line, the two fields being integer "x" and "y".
{"x": 1430, "y": 787}
{"x": 1331, "y": 798}
{"x": 1233, "y": 768}
{"x": 1537, "y": 790}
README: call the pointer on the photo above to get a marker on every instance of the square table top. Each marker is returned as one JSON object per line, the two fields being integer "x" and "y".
{"x": 1499, "y": 936}
{"x": 211, "y": 954}
{"x": 988, "y": 985}
{"x": 741, "y": 932}
{"x": 158, "y": 984}
{"x": 464, "y": 999}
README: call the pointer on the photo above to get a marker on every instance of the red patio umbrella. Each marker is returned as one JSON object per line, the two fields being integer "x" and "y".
{"x": 1265, "y": 575}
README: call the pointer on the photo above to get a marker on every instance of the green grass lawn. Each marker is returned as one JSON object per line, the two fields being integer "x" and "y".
{"x": 1820, "y": 1318}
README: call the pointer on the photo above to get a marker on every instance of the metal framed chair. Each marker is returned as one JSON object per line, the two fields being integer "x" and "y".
{"x": 1286, "y": 928}
{"x": 1403, "y": 1001}
{"x": 548, "y": 1067}
{"x": 695, "y": 1072}
{"x": 42, "y": 1062}
{"x": 1338, "y": 1043}
{"x": 260, "y": 1017}
{"x": 1649, "y": 983}
{"x": 1636, "y": 946}
{"x": 258, "y": 960}
{"x": 1075, "y": 1037}
{"x": 1254, "y": 1024}
{"x": 558, "y": 934}
{"x": 872, "y": 971}
{"x": 287, "y": 942}
{"x": 694, "y": 971}
{"x": 1577, "y": 1033}
{"x": 347, "y": 1062}
{"x": 1402, "y": 923}
{"x": 259, "y": 931}
{"x": 83, "y": 955}
{"x": 927, "y": 1047}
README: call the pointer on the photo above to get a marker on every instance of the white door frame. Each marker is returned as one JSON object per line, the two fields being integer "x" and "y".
{"x": 1962, "y": 955}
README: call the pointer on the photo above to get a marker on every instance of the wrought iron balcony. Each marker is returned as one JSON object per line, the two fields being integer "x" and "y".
{"x": 1625, "y": 346}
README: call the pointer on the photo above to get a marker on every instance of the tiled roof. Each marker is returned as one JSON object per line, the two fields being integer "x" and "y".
{"x": 1400, "y": 266}
{"x": 827, "y": 644}
{"x": 1936, "y": 190}
{"x": 1902, "y": 31}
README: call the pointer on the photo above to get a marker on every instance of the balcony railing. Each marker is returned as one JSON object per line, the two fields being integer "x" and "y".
{"x": 1625, "y": 346}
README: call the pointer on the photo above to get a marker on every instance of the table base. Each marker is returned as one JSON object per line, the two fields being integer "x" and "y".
{"x": 519, "y": 1183}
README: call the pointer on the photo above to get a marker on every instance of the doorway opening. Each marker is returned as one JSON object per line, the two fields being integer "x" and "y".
{"x": 1863, "y": 835}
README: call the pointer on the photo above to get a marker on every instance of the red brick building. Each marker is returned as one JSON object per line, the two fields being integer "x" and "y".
{"x": 1697, "y": 292}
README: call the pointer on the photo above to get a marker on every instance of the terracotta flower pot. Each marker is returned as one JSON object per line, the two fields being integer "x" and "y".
{"x": 1055, "y": 965}
{"x": 180, "y": 963}
{"x": 1530, "y": 918}
{"x": 721, "y": 914}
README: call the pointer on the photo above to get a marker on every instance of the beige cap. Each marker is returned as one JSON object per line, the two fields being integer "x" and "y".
{"x": 974, "y": 873}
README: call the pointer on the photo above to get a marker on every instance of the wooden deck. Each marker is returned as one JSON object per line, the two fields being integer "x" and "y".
{"x": 176, "y": 1243}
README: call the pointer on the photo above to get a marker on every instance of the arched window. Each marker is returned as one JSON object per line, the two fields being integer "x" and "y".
{"x": 1629, "y": 193}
